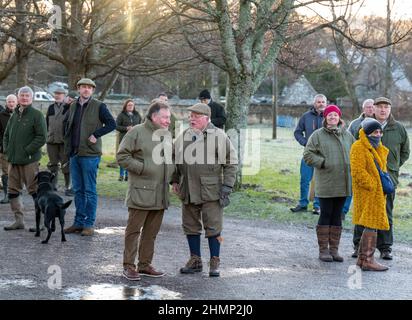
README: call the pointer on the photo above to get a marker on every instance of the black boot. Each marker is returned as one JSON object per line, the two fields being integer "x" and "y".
{"x": 4, "y": 181}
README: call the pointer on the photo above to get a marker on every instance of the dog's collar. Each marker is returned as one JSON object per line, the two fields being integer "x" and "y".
{"x": 43, "y": 183}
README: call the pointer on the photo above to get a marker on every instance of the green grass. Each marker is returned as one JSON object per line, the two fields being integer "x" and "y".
{"x": 273, "y": 190}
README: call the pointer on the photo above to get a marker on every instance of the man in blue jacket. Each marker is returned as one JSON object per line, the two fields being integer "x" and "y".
{"x": 308, "y": 123}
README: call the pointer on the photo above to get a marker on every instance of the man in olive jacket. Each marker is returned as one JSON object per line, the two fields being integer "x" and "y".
{"x": 395, "y": 138}
{"x": 55, "y": 139}
{"x": 88, "y": 120}
{"x": 25, "y": 135}
{"x": 206, "y": 166}
{"x": 146, "y": 152}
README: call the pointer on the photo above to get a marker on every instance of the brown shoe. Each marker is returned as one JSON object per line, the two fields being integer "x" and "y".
{"x": 131, "y": 274}
{"x": 87, "y": 232}
{"x": 193, "y": 265}
{"x": 151, "y": 272}
{"x": 73, "y": 229}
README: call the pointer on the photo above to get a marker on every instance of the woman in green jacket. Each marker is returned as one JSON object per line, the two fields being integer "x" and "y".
{"x": 125, "y": 121}
{"x": 327, "y": 151}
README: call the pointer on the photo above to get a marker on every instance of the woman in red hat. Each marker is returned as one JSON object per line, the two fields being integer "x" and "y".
{"x": 327, "y": 151}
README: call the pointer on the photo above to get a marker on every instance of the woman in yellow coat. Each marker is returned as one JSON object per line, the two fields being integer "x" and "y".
{"x": 368, "y": 198}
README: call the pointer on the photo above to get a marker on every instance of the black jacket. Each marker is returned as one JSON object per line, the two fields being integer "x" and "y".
{"x": 218, "y": 116}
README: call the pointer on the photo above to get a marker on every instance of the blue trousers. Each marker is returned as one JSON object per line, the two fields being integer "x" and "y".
{"x": 84, "y": 173}
{"x": 306, "y": 175}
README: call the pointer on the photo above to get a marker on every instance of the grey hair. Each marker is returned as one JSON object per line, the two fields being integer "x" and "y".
{"x": 320, "y": 96}
{"x": 366, "y": 101}
{"x": 26, "y": 89}
{"x": 11, "y": 96}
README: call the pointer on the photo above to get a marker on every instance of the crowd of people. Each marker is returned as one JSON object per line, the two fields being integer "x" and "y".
{"x": 350, "y": 161}
{"x": 201, "y": 168}
{"x": 72, "y": 130}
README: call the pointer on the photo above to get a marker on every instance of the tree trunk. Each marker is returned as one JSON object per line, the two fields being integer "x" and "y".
{"x": 237, "y": 108}
{"x": 214, "y": 77}
{"x": 75, "y": 73}
{"x": 21, "y": 49}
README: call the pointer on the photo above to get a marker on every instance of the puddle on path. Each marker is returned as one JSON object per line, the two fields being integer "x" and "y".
{"x": 7, "y": 283}
{"x": 120, "y": 292}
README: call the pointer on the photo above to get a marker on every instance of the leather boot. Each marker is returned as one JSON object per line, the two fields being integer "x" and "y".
{"x": 323, "y": 240}
{"x": 334, "y": 239}
{"x": 193, "y": 265}
{"x": 4, "y": 181}
{"x": 17, "y": 208}
{"x": 367, "y": 246}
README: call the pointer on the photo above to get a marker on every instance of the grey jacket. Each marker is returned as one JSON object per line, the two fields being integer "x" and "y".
{"x": 355, "y": 126}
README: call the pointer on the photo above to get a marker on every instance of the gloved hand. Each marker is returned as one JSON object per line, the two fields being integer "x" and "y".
{"x": 225, "y": 191}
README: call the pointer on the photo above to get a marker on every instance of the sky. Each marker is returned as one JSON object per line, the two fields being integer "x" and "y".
{"x": 402, "y": 9}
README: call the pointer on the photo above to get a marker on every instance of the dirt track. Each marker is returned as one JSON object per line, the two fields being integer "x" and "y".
{"x": 260, "y": 260}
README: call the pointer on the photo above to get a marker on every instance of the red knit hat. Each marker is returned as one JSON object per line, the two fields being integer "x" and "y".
{"x": 332, "y": 108}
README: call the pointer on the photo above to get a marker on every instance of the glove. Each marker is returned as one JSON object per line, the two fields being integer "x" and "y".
{"x": 225, "y": 191}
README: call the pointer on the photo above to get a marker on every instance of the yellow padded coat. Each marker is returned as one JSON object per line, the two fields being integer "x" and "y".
{"x": 369, "y": 201}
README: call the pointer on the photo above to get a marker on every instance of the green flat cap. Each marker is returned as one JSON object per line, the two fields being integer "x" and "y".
{"x": 73, "y": 94}
{"x": 382, "y": 100}
{"x": 200, "y": 108}
{"x": 86, "y": 81}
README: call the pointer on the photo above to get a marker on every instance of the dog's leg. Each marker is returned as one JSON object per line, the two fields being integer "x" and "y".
{"x": 53, "y": 225}
{"x": 61, "y": 219}
{"x": 49, "y": 232}
{"x": 38, "y": 213}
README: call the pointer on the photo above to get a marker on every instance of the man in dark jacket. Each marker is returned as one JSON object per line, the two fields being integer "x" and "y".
{"x": 11, "y": 103}
{"x": 24, "y": 137}
{"x": 55, "y": 142}
{"x": 87, "y": 121}
{"x": 308, "y": 123}
{"x": 395, "y": 138}
{"x": 218, "y": 115}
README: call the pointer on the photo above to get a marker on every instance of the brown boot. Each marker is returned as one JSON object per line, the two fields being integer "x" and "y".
{"x": 334, "y": 239}
{"x": 73, "y": 229}
{"x": 193, "y": 265}
{"x": 367, "y": 247}
{"x": 17, "y": 208}
{"x": 323, "y": 240}
{"x": 214, "y": 267}
{"x": 87, "y": 232}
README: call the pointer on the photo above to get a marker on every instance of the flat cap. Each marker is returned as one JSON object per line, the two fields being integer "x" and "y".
{"x": 382, "y": 100}
{"x": 59, "y": 90}
{"x": 73, "y": 94}
{"x": 200, "y": 108}
{"x": 86, "y": 81}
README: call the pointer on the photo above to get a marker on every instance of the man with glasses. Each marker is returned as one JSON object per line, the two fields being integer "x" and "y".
{"x": 395, "y": 138}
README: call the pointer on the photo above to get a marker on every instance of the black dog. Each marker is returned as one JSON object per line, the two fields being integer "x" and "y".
{"x": 50, "y": 204}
